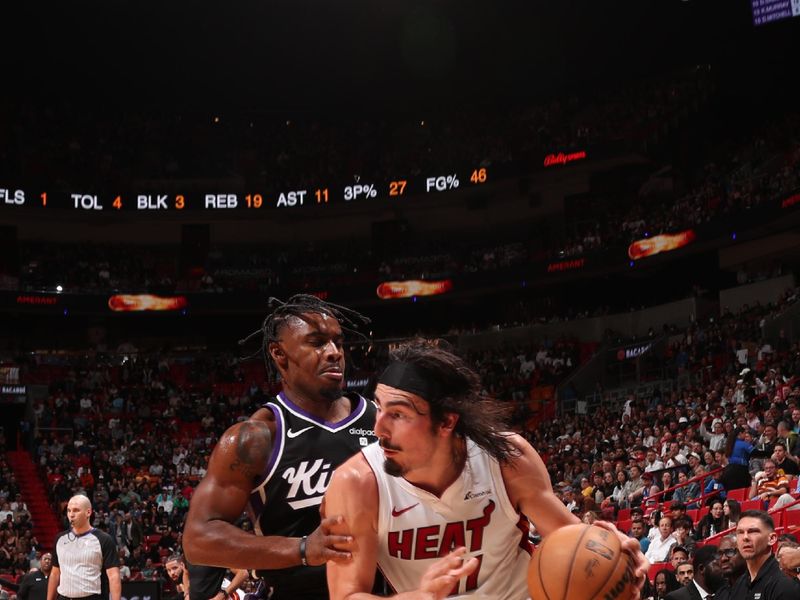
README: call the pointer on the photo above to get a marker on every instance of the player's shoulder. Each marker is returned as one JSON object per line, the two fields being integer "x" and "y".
{"x": 519, "y": 449}
{"x": 265, "y": 415}
{"x": 354, "y": 474}
{"x": 353, "y": 492}
{"x": 259, "y": 427}
{"x": 247, "y": 442}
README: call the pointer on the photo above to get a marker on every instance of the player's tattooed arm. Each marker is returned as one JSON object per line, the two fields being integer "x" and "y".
{"x": 247, "y": 446}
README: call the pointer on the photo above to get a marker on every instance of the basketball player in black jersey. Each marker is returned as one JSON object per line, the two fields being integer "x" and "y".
{"x": 277, "y": 465}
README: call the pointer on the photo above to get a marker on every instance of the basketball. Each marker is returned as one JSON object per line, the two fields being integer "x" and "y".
{"x": 581, "y": 562}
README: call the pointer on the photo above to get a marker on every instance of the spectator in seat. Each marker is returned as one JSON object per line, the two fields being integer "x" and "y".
{"x": 784, "y": 463}
{"x": 786, "y": 550}
{"x": 124, "y": 570}
{"x": 715, "y": 438}
{"x": 663, "y": 583}
{"x": 787, "y": 439}
{"x": 684, "y": 534}
{"x": 677, "y": 510}
{"x": 635, "y": 487}
{"x": 731, "y": 563}
{"x": 731, "y": 509}
{"x": 677, "y": 556}
{"x": 638, "y": 533}
{"x": 763, "y": 579}
{"x": 712, "y": 522}
{"x": 169, "y": 540}
{"x": 688, "y": 492}
{"x": 770, "y": 483}
{"x": 706, "y": 577}
{"x": 684, "y": 573}
{"x": 713, "y": 486}
{"x": 131, "y": 532}
{"x": 661, "y": 545}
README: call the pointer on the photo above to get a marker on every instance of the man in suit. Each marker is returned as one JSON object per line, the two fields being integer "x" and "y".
{"x": 708, "y": 577}
{"x": 131, "y": 532}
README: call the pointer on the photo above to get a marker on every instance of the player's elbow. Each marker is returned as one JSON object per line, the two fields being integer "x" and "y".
{"x": 197, "y": 539}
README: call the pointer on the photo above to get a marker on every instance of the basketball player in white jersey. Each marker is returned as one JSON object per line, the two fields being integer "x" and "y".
{"x": 440, "y": 503}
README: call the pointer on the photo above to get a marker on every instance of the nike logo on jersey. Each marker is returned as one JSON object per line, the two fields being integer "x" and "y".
{"x": 293, "y": 434}
{"x": 397, "y": 513}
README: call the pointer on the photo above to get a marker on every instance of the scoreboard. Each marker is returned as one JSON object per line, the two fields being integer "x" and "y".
{"x": 250, "y": 201}
{"x": 254, "y": 200}
{"x": 768, "y": 11}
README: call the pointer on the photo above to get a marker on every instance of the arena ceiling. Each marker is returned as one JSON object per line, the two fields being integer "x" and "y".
{"x": 360, "y": 55}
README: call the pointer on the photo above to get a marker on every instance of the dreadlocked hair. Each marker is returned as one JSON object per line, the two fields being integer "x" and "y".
{"x": 482, "y": 418}
{"x": 295, "y": 307}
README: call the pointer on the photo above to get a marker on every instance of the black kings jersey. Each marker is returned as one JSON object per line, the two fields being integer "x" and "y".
{"x": 305, "y": 452}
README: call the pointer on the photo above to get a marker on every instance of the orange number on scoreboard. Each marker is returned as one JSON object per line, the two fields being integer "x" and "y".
{"x": 180, "y": 202}
{"x": 254, "y": 200}
{"x": 117, "y": 202}
{"x": 478, "y": 176}
{"x": 44, "y": 198}
{"x": 397, "y": 188}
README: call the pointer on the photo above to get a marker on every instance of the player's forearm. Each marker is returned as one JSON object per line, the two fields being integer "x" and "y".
{"x": 218, "y": 543}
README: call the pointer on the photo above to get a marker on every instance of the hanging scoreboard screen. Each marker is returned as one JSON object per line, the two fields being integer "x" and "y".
{"x": 768, "y": 11}
{"x": 253, "y": 201}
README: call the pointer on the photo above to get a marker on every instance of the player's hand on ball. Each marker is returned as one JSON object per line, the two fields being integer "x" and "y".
{"x": 632, "y": 547}
{"x": 324, "y": 545}
{"x": 442, "y": 576}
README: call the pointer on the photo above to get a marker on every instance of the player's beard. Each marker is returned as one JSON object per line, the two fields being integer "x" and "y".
{"x": 331, "y": 394}
{"x": 392, "y": 467}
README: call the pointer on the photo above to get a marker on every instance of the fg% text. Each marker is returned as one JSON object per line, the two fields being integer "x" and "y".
{"x": 441, "y": 183}
{"x": 354, "y": 192}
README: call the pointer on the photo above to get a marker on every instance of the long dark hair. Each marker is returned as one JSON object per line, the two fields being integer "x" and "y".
{"x": 735, "y": 510}
{"x": 481, "y": 418}
{"x": 731, "y": 441}
{"x": 671, "y": 580}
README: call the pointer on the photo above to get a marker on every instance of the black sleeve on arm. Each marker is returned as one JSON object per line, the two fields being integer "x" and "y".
{"x": 109, "y": 548}
{"x": 55, "y": 550}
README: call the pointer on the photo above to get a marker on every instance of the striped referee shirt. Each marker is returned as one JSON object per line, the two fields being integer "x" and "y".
{"x": 82, "y": 560}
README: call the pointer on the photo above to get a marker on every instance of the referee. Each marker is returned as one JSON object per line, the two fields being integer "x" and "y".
{"x": 81, "y": 556}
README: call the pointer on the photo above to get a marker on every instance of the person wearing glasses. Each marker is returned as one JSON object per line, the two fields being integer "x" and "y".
{"x": 731, "y": 563}
{"x": 770, "y": 483}
{"x": 707, "y": 579}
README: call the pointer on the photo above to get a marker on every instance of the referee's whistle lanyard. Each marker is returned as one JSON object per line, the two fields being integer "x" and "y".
{"x": 74, "y": 535}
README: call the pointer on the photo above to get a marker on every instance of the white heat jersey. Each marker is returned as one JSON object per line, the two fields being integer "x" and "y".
{"x": 415, "y": 528}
